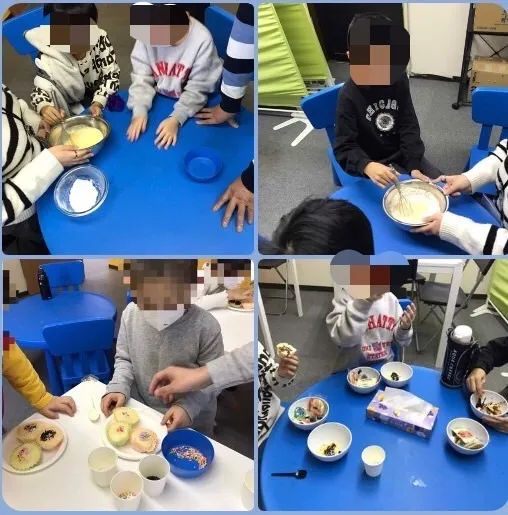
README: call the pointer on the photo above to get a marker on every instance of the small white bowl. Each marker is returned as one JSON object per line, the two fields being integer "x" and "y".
{"x": 368, "y": 371}
{"x": 489, "y": 396}
{"x": 405, "y": 373}
{"x": 303, "y": 403}
{"x": 471, "y": 425}
{"x": 326, "y": 434}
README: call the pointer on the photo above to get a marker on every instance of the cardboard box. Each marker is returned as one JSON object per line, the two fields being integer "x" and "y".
{"x": 490, "y": 18}
{"x": 403, "y": 420}
{"x": 488, "y": 71}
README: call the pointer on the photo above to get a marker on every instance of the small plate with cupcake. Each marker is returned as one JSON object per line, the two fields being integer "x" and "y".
{"x": 133, "y": 434}
{"x": 33, "y": 446}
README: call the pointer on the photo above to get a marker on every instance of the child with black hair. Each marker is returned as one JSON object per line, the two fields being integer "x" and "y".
{"x": 376, "y": 122}
{"x": 321, "y": 227}
{"x": 76, "y": 63}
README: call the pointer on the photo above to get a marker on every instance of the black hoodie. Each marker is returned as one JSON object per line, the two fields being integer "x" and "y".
{"x": 494, "y": 354}
{"x": 377, "y": 123}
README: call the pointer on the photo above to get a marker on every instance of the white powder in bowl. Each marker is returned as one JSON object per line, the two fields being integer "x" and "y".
{"x": 83, "y": 195}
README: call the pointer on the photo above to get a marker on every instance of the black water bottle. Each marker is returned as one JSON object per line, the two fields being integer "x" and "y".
{"x": 43, "y": 281}
{"x": 460, "y": 351}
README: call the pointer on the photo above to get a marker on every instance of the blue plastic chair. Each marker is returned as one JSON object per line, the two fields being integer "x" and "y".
{"x": 68, "y": 275}
{"x": 15, "y": 28}
{"x": 80, "y": 348}
{"x": 219, "y": 22}
{"x": 321, "y": 110}
{"x": 489, "y": 107}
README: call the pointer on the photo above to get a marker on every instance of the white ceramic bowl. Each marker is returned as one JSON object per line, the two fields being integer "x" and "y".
{"x": 303, "y": 403}
{"x": 489, "y": 396}
{"x": 370, "y": 372}
{"x": 326, "y": 434}
{"x": 405, "y": 373}
{"x": 471, "y": 425}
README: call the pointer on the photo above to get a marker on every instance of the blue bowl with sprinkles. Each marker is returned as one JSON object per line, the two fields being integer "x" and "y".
{"x": 203, "y": 164}
{"x": 188, "y": 452}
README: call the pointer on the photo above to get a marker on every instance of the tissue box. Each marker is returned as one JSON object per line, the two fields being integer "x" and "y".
{"x": 401, "y": 419}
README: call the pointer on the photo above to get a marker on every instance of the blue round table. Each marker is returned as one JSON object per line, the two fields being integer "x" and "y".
{"x": 26, "y": 319}
{"x": 418, "y": 474}
{"x": 389, "y": 237}
{"x": 153, "y": 206}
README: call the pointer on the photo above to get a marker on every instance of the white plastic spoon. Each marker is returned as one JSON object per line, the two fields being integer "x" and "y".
{"x": 93, "y": 414}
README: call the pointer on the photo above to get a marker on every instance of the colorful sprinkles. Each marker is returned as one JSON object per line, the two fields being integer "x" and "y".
{"x": 128, "y": 494}
{"x": 185, "y": 452}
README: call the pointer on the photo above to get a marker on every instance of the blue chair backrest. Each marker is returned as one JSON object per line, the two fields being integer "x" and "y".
{"x": 219, "y": 22}
{"x": 15, "y": 28}
{"x": 321, "y": 109}
{"x": 129, "y": 297}
{"x": 67, "y": 274}
{"x": 489, "y": 106}
{"x": 81, "y": 336}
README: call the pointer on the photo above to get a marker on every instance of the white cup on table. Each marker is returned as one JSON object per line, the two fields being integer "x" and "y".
{"x": 102, "y": 463}
{"x": 248, "y": 490}
{"x": 127, "y": 488}
{"x": 373, "y": 458}
{"x": 154, "y": 466}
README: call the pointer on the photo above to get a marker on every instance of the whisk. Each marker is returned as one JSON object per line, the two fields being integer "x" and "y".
{"x": 405, "y": 205}
{"x": 64, "y": 137}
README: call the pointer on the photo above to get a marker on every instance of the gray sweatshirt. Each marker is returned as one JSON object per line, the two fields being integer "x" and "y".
{"x": 188, "y": 71}
{"x": 141, "y": 351}
{"x": 364, "y": 331}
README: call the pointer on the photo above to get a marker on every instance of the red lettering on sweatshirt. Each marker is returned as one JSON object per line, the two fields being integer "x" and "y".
{"x": 382, "y": 321}
{"x": 165, "y": 69}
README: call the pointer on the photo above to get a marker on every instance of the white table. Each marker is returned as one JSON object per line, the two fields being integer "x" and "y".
{"x": 455, "y": 267}
{"x": 67, "y": 484}
{"x": 237, "y": 327}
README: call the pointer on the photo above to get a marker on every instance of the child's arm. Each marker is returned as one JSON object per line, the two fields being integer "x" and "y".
{"x": 268, "y": 371}
{"x": 123, "y": 377}
{"x": 411, "y": 144}
{"x": 142, "y": 90}
{"x": 348, "y": 321}
{"x": 40, "y": 98}
{"x": 110, "y": 74}
{"x": 401, "y": 335}
{"x": 213, "y": 300}
{"x": 203, "y": 78}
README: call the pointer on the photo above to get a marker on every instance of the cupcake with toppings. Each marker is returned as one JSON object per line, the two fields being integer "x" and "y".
{"x": 25, "y": 456}
{"x": 29, "y": 431}
{"x": 144, "y": 440}
{"x": 126, "y": 416}
{"x": 119, "y": 433}
{"x": 50, "y": 437}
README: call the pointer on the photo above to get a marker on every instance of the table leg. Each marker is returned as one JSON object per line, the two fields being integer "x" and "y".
{"x": 450, "y": 311}
{"x": 296, "y": 286}
{"x": 55, "y": 386}
{"x": 264, "y": 326}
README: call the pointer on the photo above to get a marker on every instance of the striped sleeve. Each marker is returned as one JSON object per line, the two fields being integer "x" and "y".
{"x": 486, "y": 171}
{"x": 239, "y": 61}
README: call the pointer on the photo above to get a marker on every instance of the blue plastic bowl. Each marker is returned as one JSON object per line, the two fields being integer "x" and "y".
{"x": 182, "y": 467}
{"x": 64, "y": 185}
{"x": 203, "y": 164}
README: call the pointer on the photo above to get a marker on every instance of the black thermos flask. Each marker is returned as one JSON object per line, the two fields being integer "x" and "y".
{"x": 43, "y": 281}
{"x": 461, "y": 349}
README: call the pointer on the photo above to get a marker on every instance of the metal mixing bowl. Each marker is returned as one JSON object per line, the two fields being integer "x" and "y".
{"x": 83, "y": 120}
{"x": 413, "y": 184}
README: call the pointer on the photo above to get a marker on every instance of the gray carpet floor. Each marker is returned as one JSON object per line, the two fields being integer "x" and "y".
{"x": 318, "y": 354}
{"x": 235, "y": 416}
{"x": 294, "y": 173}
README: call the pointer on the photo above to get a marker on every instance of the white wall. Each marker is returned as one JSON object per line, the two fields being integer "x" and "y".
{"x": 438, "y": 34}
{"x": 316, "y": 272}
{"x": 17, "y": 281}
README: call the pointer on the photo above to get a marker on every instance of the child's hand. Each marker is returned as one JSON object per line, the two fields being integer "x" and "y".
{"x": 454, "y": 184}
{"x": 240, "y": 294}
{"x": 476, "y": 381}
{"x": 137, "y": 126}
{"x": 44, "y": 129}
{"x": 52, "y": 115}
{"x": 380, "y": 174}
{"x": 416, "y": 174}
{"x": 96, "y": 109}
{"x": 432, "y": 225}
{"x": 408, "y": 317}
{"x": 59, "y": 405}
{"x": 175, "y": 418}
{"x": 288, "y": 366}
{"x": 111, "y": 401}
{"x": 167, "y": 133}
{"x": 499, "y": 423}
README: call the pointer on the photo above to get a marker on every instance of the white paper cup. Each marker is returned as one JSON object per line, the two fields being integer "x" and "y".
{"x": 154, "y": 466}
{"x": 373, "y": 458}
{"x": 248, "y": 490}
{"x": 126, "y": 488}
{"x": 102, "y": 464}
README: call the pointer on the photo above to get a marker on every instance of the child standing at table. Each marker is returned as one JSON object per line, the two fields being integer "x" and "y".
{"x": 70, "y": 71}
{"x": 365, "y": 329}
{"x": 176, "y": 58}
{"x": 376, "y": 122}
{"x": 162, "y": 327}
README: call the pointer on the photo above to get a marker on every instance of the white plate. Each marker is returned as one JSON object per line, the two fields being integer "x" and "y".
{"x": 242, "y": 310}
{"x": 10, "y": 442}
{"x": 147, "y": 419}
